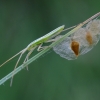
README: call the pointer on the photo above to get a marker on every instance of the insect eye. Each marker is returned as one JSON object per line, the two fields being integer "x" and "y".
{"x": 75, "y": 47}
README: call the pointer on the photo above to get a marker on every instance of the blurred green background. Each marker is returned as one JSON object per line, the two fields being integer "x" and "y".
{"x": 50, "y": 77}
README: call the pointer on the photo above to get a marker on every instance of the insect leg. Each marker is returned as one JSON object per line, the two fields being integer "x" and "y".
{"x": 55, "y": 39}
{"x": 24, "y": 50}
{"x": 40, "y": 48}
{"x": 27, "y": 56}
{"x": 50, "y": 40}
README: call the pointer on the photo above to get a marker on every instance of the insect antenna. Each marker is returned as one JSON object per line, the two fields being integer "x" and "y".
{"x": 11, "y": 58}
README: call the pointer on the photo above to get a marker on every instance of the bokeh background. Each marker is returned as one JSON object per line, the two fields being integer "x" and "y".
{"x": 50, "y": 77}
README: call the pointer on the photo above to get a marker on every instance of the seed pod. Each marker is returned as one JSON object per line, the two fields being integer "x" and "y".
{"x": 84, "y": 38}
{"x": 93, "y": 27}
{"x": 65, "y": 49}
{"x": 80, "y": 42}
